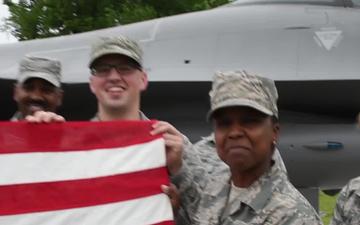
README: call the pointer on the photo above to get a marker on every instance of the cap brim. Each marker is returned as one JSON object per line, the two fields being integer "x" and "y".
{"x": 45, "y": 76}
{"x": 239, "y": 102}
{"x": 119, "y": 51}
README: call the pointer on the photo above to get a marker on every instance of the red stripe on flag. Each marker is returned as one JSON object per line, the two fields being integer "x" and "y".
{"x": 47, "y": 196}
{"x": 165, "y": 223}
{"x": 26, "y": 137}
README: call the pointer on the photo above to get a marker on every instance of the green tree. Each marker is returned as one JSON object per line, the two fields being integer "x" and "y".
{"x": 30, "y": 19}
{"x": 163, "y": 8}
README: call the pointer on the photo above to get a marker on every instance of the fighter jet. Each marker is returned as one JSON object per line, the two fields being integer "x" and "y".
{"x": 310, "y": 48}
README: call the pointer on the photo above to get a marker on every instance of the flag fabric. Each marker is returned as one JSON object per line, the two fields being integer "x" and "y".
{"x": 83, "y": 173}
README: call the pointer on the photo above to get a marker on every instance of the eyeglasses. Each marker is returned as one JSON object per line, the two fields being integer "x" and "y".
{"x": 104, "y": 70}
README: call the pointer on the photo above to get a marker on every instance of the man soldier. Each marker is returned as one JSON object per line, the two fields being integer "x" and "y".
{"x": 38, "y": 86}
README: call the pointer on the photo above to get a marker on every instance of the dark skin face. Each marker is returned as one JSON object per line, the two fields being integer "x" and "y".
{"x": 37, "y": 94}
{"x": 244, "y": 141}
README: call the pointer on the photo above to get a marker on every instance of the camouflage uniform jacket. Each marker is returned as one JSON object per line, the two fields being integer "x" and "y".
{"x": 347, "y": 209}
{"x": 204, "y": 185}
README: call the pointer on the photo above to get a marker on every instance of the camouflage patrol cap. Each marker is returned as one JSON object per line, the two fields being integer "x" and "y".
{"x": 239, "y": 88}
{"x": 116, "y": 45}
{"x": 40, "y": 67}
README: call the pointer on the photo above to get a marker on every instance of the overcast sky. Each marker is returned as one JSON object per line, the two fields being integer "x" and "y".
{"x": 4, "y": 12}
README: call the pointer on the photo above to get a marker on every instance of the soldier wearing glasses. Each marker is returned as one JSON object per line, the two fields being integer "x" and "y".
{"x": 117, "y": 82}
{"x": 117, "y": 79}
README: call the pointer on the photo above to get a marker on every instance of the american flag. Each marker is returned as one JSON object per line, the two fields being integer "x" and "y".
{"x": 88, "y": 173}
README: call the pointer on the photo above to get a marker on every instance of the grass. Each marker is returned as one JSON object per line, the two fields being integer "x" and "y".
{"x": 326, "y": 205}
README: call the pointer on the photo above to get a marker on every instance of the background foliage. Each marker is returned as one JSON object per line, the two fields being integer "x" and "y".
{"x": 32, "y": 19}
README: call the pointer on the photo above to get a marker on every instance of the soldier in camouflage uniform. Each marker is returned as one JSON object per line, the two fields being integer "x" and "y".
{"x": 347, "y": 209}
{"x": 38, "y": 87}
{"x": 117, "y": 80}
{"x": 206, "y": 147}
{"x": 247, "y": 186}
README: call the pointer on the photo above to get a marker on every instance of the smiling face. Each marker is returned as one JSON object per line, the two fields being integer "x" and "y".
{"x": 37, "y": 94}
{"x": 244, "y": 138}
{"x": 117, "y": 82}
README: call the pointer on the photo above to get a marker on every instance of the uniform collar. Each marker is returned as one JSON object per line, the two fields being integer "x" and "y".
{"x": 17, "y": 117}
{"x": 141, "y": 114}
{"x": 355, "y": 184}
{"x": 209, "y": 139}
{"x": 256, "y": 196}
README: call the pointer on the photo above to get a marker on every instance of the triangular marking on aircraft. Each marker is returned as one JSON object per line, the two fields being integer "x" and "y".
{"x": 328, "y": 38}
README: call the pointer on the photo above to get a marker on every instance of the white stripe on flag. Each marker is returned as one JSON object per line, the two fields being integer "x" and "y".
{"x": 20, "y": 168}
{"x": 141, "y": 211}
